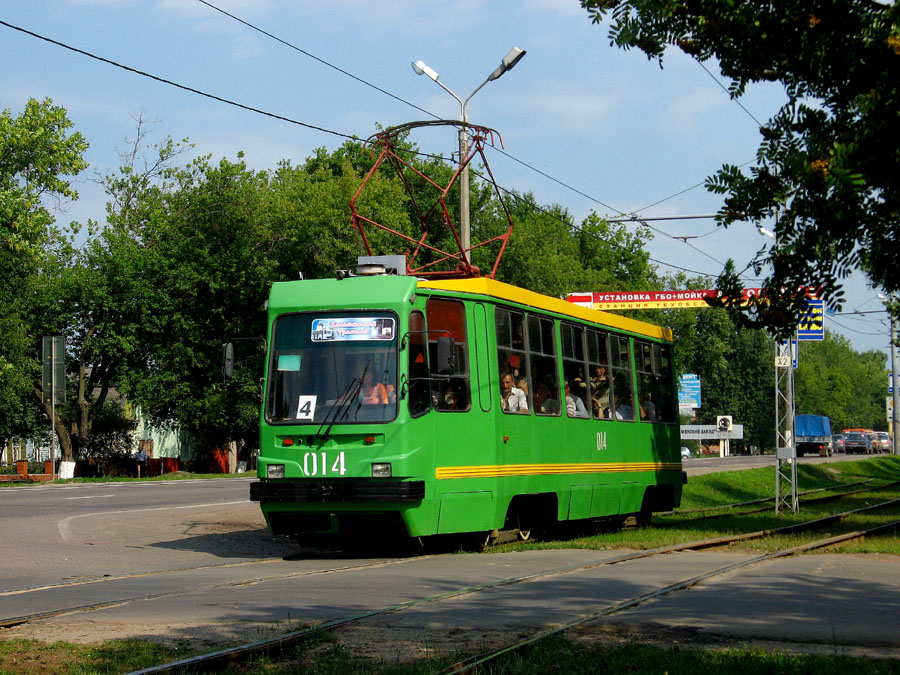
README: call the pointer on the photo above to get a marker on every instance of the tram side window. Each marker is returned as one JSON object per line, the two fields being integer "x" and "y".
{"x": 601, "y": 375}
{"x": 448, "y": 318}
{"x": 623, "y": 391}
{"x": 512, "y": 362}
{"x": 542, "y": 358}
{"x": 419, "y": 382}
{"x": 574, "y": 371}
{"x": 655, "y": 386}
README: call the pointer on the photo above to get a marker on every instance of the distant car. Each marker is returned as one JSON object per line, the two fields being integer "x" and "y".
{"x": 876, "y": 444}
{"x": 837, "y": 442}
{"x": 685, "y": 452}
{"x": 857, "y": 441}
{"x": 885, "y": 444}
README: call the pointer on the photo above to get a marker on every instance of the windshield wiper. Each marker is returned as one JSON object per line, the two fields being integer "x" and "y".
{"x": 347, "y": 397}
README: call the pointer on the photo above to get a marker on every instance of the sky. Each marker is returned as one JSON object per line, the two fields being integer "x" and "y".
{"x": 584, "y": 124}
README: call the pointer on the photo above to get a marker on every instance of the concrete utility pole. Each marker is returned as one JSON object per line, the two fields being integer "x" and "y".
{"x": 511, "y": 59}
{"x": 895, "y": 374}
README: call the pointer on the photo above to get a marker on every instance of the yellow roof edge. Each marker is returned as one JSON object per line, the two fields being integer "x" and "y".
{"x": 502, "y": 291}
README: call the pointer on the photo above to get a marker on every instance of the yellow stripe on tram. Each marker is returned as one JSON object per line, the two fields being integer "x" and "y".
{"x": 501, "y": 470}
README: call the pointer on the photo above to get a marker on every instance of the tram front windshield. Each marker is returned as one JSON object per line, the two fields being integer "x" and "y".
{"x": 335, "y": 368}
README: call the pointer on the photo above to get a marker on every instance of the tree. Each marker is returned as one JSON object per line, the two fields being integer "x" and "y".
{"x": 834, "y": 380}
{"x": 38, "y": 155}
{"x": 828, "y": 160}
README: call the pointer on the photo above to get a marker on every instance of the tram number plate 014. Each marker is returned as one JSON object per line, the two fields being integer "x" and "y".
{"x": 321, "y": 464}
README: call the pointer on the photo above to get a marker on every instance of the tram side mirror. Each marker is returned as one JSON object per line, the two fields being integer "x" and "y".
{"x": 227, "y": 360}
{"x": 446, "y": 356}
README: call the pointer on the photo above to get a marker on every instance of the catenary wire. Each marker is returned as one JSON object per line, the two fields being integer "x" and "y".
{"x": 292, "y": 121}
{"x": 176, "y": 84}
{"x": 725, "y": 89}
{"x": 506, "y": 154}
{"x": 316, "y": 58}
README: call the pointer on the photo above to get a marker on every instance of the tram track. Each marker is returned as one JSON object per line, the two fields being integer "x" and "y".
{"x": 118, "y": 602}
{"x": 713, "y": 512}
{"x": 277, "y": 644}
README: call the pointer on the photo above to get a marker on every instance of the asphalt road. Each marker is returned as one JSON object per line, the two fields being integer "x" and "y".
{"x": 55, "y": 533}
{"x": 205, "y": 569}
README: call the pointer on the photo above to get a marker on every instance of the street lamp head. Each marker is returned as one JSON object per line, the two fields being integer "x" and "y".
{"x": 509, "y": 61}
{"x": 513, "y": 57}
{"x": 766, "y": 233}
{"x": 422, "y": 69}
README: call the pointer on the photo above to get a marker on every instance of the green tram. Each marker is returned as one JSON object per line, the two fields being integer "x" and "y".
{"x": 459, "y": 406}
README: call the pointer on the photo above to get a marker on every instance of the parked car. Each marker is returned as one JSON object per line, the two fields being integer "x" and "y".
{"x": 885, "y": 443}
{"x": 858, "y": 442}
{"x": 685, "y": 452}
{"x": 837, "y": 442}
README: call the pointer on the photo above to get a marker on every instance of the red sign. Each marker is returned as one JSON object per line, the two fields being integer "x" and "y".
{"x": 649, "y": 299}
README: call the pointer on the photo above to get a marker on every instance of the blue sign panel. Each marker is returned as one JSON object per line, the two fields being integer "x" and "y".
{"x": 689, "y": 391}
{"x": 812, "y": 323}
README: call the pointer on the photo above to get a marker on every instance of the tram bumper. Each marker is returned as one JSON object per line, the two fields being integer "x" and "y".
{"x": 299, "y": 508}
{"x": 319, "y": 491}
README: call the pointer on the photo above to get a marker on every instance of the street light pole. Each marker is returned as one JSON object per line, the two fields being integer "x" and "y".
{"x": 511, "y": 59}
{"x": 786, "y": 496}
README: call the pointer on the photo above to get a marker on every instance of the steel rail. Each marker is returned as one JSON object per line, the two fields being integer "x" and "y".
{"x": 763, "y": 500}
{"x": 233, "y": 655}
{"x": 38, "y": 616}
{"x": 470, "y": 662}
{"x": 815, "y": 500}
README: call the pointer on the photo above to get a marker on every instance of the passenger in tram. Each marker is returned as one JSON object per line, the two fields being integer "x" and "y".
{"x": 512, "y": 399}
{"x": 624, "y": 409}
{"x": 574, "y": 404}
{"x": 544, "y": 399}
{"x": 371, "y": 392}
{"x": 522, "y": 384}
{"x": 648, "y": 407}
{"x": 600, "y": 392}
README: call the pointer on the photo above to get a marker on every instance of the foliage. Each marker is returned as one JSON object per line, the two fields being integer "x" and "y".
{"x": 112, "y": 432}
{"x": 827, "y": 161}
{"x": 189, "y": 251}
{"x": 38, "y": 154}
{"x": 832, "y": 379}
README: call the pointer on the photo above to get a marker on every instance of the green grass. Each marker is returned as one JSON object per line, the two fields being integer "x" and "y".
{"x": 63, "y": 658}
{"x": 563, "y": 656}
{"x": 721, "y": 489}
{"x": 325, "y": 654}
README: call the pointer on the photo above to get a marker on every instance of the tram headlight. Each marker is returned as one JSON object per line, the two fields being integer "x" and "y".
{"x": 275, "y": 471}
{"x": 381, "y": 470}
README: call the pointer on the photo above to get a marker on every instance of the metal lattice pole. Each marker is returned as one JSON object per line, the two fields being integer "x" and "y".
{"x": 785, "y": 437}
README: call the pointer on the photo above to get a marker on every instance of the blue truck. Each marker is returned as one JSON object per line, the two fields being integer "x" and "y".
{"x": 813, "y": 435}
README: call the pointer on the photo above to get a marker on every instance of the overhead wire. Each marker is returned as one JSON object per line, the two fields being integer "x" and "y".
{"x": 316, "y": 58}
{"x": 427, "y": 112}
{"x": 283, "y": 118}
{"x": 176, "y": 84}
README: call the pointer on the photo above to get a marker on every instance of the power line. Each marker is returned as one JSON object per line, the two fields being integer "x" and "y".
{"x": 504, "y": 153}
{"x": 316, "y": 58}
{"x": 176, "y": 84}
{"x": 312, "y": 126}
{"x": 725, "y": 89}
